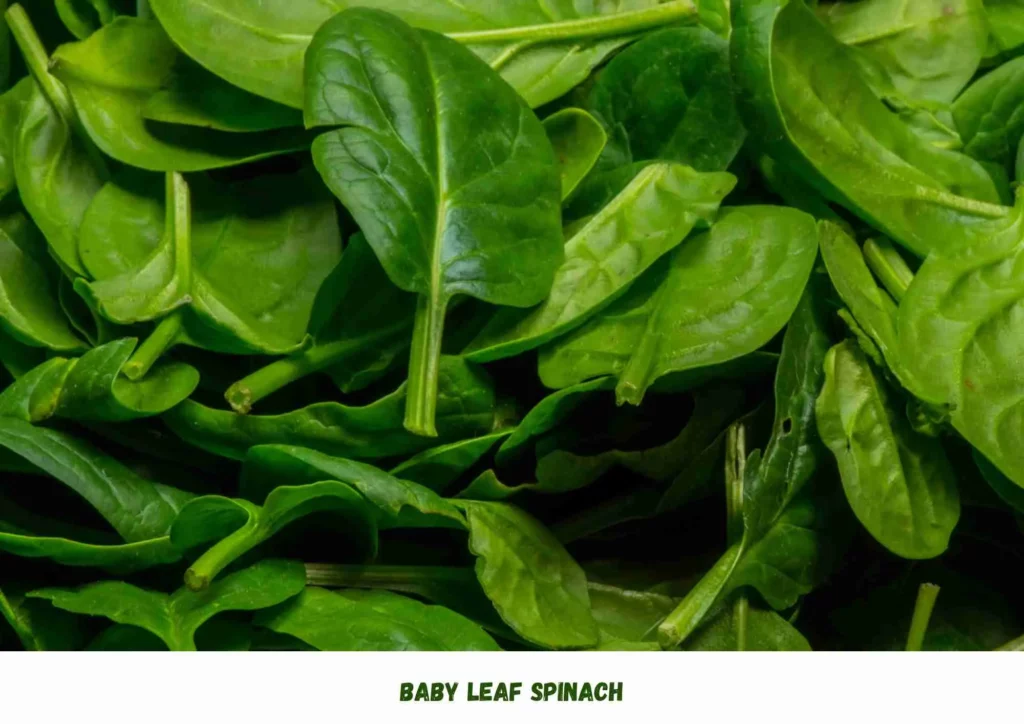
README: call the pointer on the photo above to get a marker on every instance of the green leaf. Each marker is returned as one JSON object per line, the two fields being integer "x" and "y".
{"x": 374, "y": 621}
{"x": 176, "y": 617}
{"x": 650, "y": 217}
{"x": 238, "y": 526}
{"x": 29, "y": 311}
{"x": 537, "y": 588}
{"x": 765, "y": 631}
{"x": 140, "y": 511}
{"x": 781, "y": 549}
{"x": 542, "y": 50}
{"x": 803, "y": 98}
{"x": 478, "y": 218}
{"x": 84, "y": 17}
{"x": 988, "y": 118}
{"x": 925, "y": 50}
{"x": 958, "y": 328}
{"x": 467, "y": 407}
{"x": 439, "y": 467}
{"x": 12, "y": 101}
{"x": 193, "y": 272}
{"x": 112, "y": 74}
{"x": 669, "y": 97}
{"x": 578, "y": 140}
{"x": 57, "y": 177}
{"x": 360, "y": 324}
{"x": 899, "y": 483}
{"x": 92, "y": 388}
{"x": 668, "y": 323}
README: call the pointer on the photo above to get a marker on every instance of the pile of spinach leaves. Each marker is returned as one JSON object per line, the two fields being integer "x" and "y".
{"x": 399, "y": 325}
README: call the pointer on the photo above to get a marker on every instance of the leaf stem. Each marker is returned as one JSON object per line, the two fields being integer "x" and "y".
{"x": 735, "y": 470}
{"x": 923, "y": 608}
{"x": 741, "y": 613}
{"x": 424, "y": 366}
{"x": 636, "y": 377}
{"x": 225, "y": 551}
{"x": 590, "y": 27}
{"x": 692, "y": 610}
{"x": 164, "y": 336}
{"x": 38, "y": 63}
{"x": 143, "y": 10}
{"x": 888, "y": 266}
{"x": 267, "y": 380}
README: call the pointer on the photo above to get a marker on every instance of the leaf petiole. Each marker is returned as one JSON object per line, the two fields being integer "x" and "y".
{"x": 424, "y": 361}
{"x": 923, "y": 608}
{"x": 890, "y": 268}
{"x": 164, "y": 336}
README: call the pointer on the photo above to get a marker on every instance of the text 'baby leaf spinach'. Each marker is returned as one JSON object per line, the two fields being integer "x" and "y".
{"x": 445, "y": 168}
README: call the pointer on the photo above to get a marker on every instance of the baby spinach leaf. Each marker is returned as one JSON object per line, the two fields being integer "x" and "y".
{"x": 806, "y": 101}
{"x": 140, "y": 511}
{"x": 192, "y": 96}
{"x": 360, "y": 324}
{"x": 1006, "y": 28}
{"x": 1007, "y": 490}
{"x": 651, "y": 216}
{"x": 353, "y": 620}
{"x": 466, "y": 408}
{"x": 92, "y": 388}
{"x": 578, "y": 140}
{"x": 112, "y": 74}
{"x": 899, "y": 483}
{"x": 196, "y": 276}
{"x": 84, "y": 17}
{"x": 989, "y": 118}
{"x": 668, "y": 323}
{"x": 541, "y": 50}
{"x": 238, "y": 526}
{"x": 779, "y": 550}
{"x": 439, "y": 467}
{"x": 627, "y": 618}
{"x": 669, "y": 97}
{"x": 29, "y": 311}
{"x": 398, "y": 502}
{"x": 537, "y": 588}
{"x": 11, "y": 103}
{"x": 925, "y": 50}
{"x": 176, "y": 617}
{"x": 958, "y": 335}
{"x": 457, "y": 159}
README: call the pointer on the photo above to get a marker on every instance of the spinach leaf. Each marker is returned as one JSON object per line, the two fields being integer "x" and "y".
{"x": 39, "y": 626}
{"x": 360, "y": 324}
{"x": 175, "y": 618}
{"x": 466, "y": 407}
{"x": 651, "y": 216}
{"x": 538, "y": 589}
{"x": 29, "y": 311}
{"x": 374, "y": 621}
{"x": 667, "y": 323}
{"x": 988, "y": 116}
{"x": 111, "y": 76}
{"x": 542, "y": 50}
{"x": 925, "y": 50}
{"x": 57, "y": 169}
{"x": 439, "y": 467}
{"x": 899, "y": 483}
{"x": 957, "y": 328}
{"x": 804, "y": 98}
{"x": 669, "y": 97}
{"x": 578, "y": 140}
{"x": 238, "y": 526}
{"x": 91, "y": 388}
{"x": 780, "y": 549}
{"x": 84, "y": 17}
{"x": 1005, "y": 26}
{"x": 464, "y": 206}
{"x": 141, "y": 512}
{"x": 195, "y": 275}
{"x": 11, "y": 103}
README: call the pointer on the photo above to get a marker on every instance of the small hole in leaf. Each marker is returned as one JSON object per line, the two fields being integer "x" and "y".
{"x": 787, "y": 426}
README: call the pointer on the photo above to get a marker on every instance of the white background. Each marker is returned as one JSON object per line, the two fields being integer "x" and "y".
{"x": 819, "y": 687}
